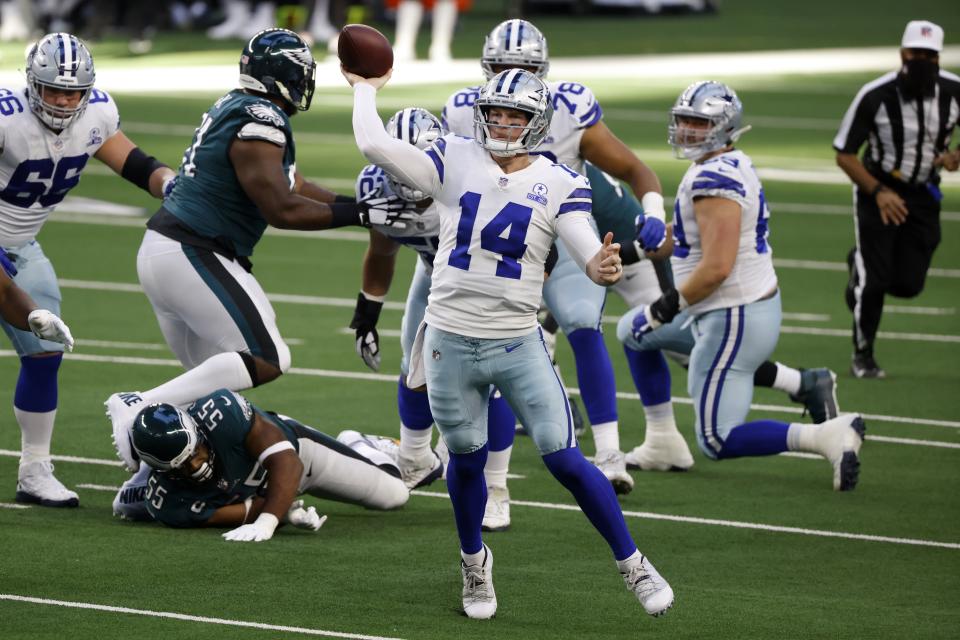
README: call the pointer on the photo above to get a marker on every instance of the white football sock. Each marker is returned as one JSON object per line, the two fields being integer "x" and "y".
{"x": 803, "y": 437}
{"x": 787, "y": 380}
{"x": 629, "y": 561}
{"x": 606, "y": 436}
{"x": 222, "y": 370}
{"x": 473, "y": 558}
{"x": 409, "y": 14}
{"x": 415, "y": 443}
{"x": 498, "y": 463}
{"x": 36, "y": 431}
{"x": 660, "y": 419}
{"x": 444, "y": 22}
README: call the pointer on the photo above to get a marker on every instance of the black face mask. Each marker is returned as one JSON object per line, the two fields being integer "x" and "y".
{"x": 918, "y": 77}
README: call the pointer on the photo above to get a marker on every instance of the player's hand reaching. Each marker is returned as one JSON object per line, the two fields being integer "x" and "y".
{"x": 49, "y": 326}
{"x": 376, "y": 83}
{"x": 365, "y": 317}
{"x": 259, "y": 530}
{"x": 304, "y": 518}
{"x": 605, "y": 268}
{"x": 651, "y": 232}
{"x": 389, "y": 211}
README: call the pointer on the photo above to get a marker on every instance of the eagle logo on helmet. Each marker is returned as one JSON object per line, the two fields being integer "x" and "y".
{"x": 302, "y": 57}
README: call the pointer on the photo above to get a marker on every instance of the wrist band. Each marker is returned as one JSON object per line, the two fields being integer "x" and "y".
{"x": 877, "y": 189}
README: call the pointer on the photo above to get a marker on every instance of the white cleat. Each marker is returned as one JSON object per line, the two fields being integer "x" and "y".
{"x": 479, "y": 599}
{"x": 653, "y": 592}
{"x": 839, "y": 441}
{"x": 613, "y": 465}
{"x": 421, "y": 471}
{"x": 36, "y": 484}
{"x": 496, "y": 515}
{"x": 122, "y": 408}
{"x": 661, "y": 452}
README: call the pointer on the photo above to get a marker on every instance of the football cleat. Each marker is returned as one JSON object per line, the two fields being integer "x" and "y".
{"x": 661, "y": 452}
{"x": 380, "y": 450}
{"x": 130, "y": 502}
{"x": 613, "y": 465}
{"x": 839, "y": 441}
{"x": 496, "y": 515}
{"x": 818, "y": 394}
{"x": 122, "y": 408}
{"x": 36, "y": 484}
{"x": 653, "y": 592}
{"x": 479, "y": 599}
{"x": 419, "y": 472}
{"x": 863, "y": 365}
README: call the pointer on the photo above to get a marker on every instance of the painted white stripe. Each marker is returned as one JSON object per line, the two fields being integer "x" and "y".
{"x": 13, "y": 505}
{"x": 922, "y": 443}
{"x": 190, "y": 618}
{"x": 392, "y": 378}
{"x": 890, "y": 335}
{"x": 817, "y": 265}
{"x": 785, "y": 454}
{"x": 107, "y": 463}
{"x": 919, "y": 311}
{"x": 98, "y": 487}
{"x": 647, "y": 515}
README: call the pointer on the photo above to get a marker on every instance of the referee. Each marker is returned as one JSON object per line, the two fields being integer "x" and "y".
{"x": 906, "y": 117}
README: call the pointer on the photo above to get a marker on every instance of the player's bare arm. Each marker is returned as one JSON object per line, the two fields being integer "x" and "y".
{"x": 311, "y": 190}
{"x": 893, "y": 210}
{"x": 127, "y": 160}
{"x": 379, "y": 263}
{"x": 15, "y": 304}
{"x": 719, "y": 222}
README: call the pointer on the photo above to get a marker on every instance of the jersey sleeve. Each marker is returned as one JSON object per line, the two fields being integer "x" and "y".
{"x": 856, "y": 125}
{"x": 180, "y": 511}
{"x": 107, "y": 112}
{"x": 718, "y": 179}
{"x": 263, "y": 121}
{"x": 579, "y": 197}
{"x": 578, "y": 101}
{"x": 457, "y": 114}
{"x": 371, "y": 182}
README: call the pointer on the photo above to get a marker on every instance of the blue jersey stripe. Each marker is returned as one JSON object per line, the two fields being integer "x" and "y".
{"x": 441, "y": 145}
{"x": 592, "y": 116}
{"x": 567, "y": 207}
{"x": 437, "y": 162}
{"x": 580, "y": 193}
{"x": 713, "y": 180}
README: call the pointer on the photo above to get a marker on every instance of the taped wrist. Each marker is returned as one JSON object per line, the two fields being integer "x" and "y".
{"x": 138, "y": 167}
{"x": 366, "y": 313}
{"x": 344, "y": 214}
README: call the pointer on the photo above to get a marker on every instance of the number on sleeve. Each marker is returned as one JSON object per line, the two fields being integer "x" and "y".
{"x": 9, "y": 103}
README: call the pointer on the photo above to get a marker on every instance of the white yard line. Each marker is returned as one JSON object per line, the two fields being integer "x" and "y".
{"x": 392, "y": 378}
{"x": 190, "y": 618}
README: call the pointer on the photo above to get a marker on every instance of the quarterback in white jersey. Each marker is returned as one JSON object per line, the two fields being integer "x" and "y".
{"x": 500, "y": 211}
{"x": 727, "y": 290}
{"x": 48, "y": 131}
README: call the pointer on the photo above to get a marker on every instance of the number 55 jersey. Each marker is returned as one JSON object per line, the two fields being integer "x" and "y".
{"x": 38, "y": 166}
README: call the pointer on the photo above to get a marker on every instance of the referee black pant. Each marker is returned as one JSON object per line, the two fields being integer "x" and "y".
{"x": 889, "y": 259}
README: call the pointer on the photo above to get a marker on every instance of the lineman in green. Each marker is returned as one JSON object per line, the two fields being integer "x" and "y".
{"x": 209, "y": 465}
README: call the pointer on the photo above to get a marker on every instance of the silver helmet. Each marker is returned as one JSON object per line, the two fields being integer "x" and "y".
{"x": 513, "y": 89}
{"x": 515, "y": 43}
{"x": 59, "y": 61}
{"x": 420, "y": 128}
{"x": 711, "y": 101}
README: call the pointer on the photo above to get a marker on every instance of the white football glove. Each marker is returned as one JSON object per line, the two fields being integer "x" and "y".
{"x": 390, "y": 211}
{"x": 257, "y": 531}
{"x": 368, "y": 347}
{"x": 304, "y": 518}
{"x": 49, "y": 326}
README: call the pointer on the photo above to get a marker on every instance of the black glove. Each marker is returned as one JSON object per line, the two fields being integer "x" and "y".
{"x": 365, "y": 317}
{"x": 666, "y": 307}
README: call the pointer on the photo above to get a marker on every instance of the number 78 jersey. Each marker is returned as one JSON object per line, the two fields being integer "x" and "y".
{"x": 496, "y": 230}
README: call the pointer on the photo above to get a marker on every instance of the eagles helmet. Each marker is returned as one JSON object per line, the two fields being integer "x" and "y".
{"x": 515, "y": 43}
{"x": 166, "y": 437}
{"x": 59, "y": 61}
{"x": 420, "y": 128}
{"x": 705, "y": 100}
{"x": 278, "y": 62}
{"x": 514, "y": 89}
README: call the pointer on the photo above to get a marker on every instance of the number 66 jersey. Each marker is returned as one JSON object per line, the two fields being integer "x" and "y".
{"x": 496, "y": 230}
{"x": 38, "y": 166}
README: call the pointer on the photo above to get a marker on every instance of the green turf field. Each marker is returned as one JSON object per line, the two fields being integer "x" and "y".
{"x": 758, "y": 548}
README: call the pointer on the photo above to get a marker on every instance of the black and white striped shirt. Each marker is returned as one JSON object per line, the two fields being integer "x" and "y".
{"x": 905, "y": 134}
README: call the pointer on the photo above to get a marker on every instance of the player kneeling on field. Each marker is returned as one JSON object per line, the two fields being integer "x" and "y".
{"x": 223, "y": 462}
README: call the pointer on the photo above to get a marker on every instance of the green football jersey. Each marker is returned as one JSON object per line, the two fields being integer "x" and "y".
{"x": 224, "y": 419}
{"x": 614, "y": 207}
{"x": 208, "y": 197}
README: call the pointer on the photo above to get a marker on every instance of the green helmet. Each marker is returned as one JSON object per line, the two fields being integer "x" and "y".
{"x": 166, "y": 437}
{"x": 278, "y": 62}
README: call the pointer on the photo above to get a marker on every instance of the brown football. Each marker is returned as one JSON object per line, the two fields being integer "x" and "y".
{"x": 364, "y": 51}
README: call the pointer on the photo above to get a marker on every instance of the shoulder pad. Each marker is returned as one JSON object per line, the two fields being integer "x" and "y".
{"x": 258, "y": 131}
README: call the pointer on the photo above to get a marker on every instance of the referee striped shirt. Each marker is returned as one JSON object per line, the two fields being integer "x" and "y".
{"x": 904, "y": 133}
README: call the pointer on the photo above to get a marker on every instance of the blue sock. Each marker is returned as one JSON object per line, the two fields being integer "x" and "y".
{"x": 598, "y": 389}
{"x": 37, "y": 385}
{"x": 468, "y": 495}
{"x": 757, "y": 438}
{"x": 651, "y": 375}
{"x": 594, "y": 493}
{"x": 414, "y": 407}
{"x": 501, "y": 424}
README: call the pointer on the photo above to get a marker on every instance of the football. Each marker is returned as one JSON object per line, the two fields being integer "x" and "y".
{"x": 364, "y": 51}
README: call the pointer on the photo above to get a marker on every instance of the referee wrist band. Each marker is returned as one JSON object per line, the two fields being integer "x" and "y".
{"x": 877, "y": 189}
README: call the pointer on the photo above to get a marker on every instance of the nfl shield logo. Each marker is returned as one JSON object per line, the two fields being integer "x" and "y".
{"x": 503, "y": 182}
{"x": 436, "y": 354}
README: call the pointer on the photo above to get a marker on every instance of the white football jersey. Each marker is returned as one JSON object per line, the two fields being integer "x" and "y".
{"x": 38, "y": 166}
{"x": 421, "y": 234}
{"x": 496, "y": 230}
{"x": 731, "y": 176}
{"x": 574, "y": 110}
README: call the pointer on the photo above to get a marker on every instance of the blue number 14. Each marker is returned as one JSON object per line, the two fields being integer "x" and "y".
{"x": 511, "y": 248}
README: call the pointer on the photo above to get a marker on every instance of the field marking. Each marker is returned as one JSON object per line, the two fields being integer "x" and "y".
{"x": 13, "y": 505}
{"x": 819, "y": 265}
{"x": 919, "y": 311}
{"x": 925, "y": 443}
{"x": 392, "y": 378}
{"x": 10, "y": 453}
{"x": 190, "y": 618}
{"x": 648, "y": 515}
{"x": 345, "y": 303}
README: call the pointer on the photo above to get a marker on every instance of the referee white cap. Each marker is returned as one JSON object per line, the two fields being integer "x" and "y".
{"x": 922, "y": 34}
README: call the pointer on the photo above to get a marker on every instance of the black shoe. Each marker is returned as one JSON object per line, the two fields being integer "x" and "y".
{"x": 864, "y": 366}
{"x": 818, "y": 394}
{"x": 851, "y": 280}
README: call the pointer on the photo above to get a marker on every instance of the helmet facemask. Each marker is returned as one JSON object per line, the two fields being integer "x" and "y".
{"x": 515, "y": 44}
{"x": 521, "y": 91}
{"x": 59, "y": 62}
{"x": 420, "y": 128}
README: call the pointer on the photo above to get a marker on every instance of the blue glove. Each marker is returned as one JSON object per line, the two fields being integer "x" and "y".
{"x": 169, "y": 186}
{"x": 7, "y": 264}
{"x": 651, "y": 232}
